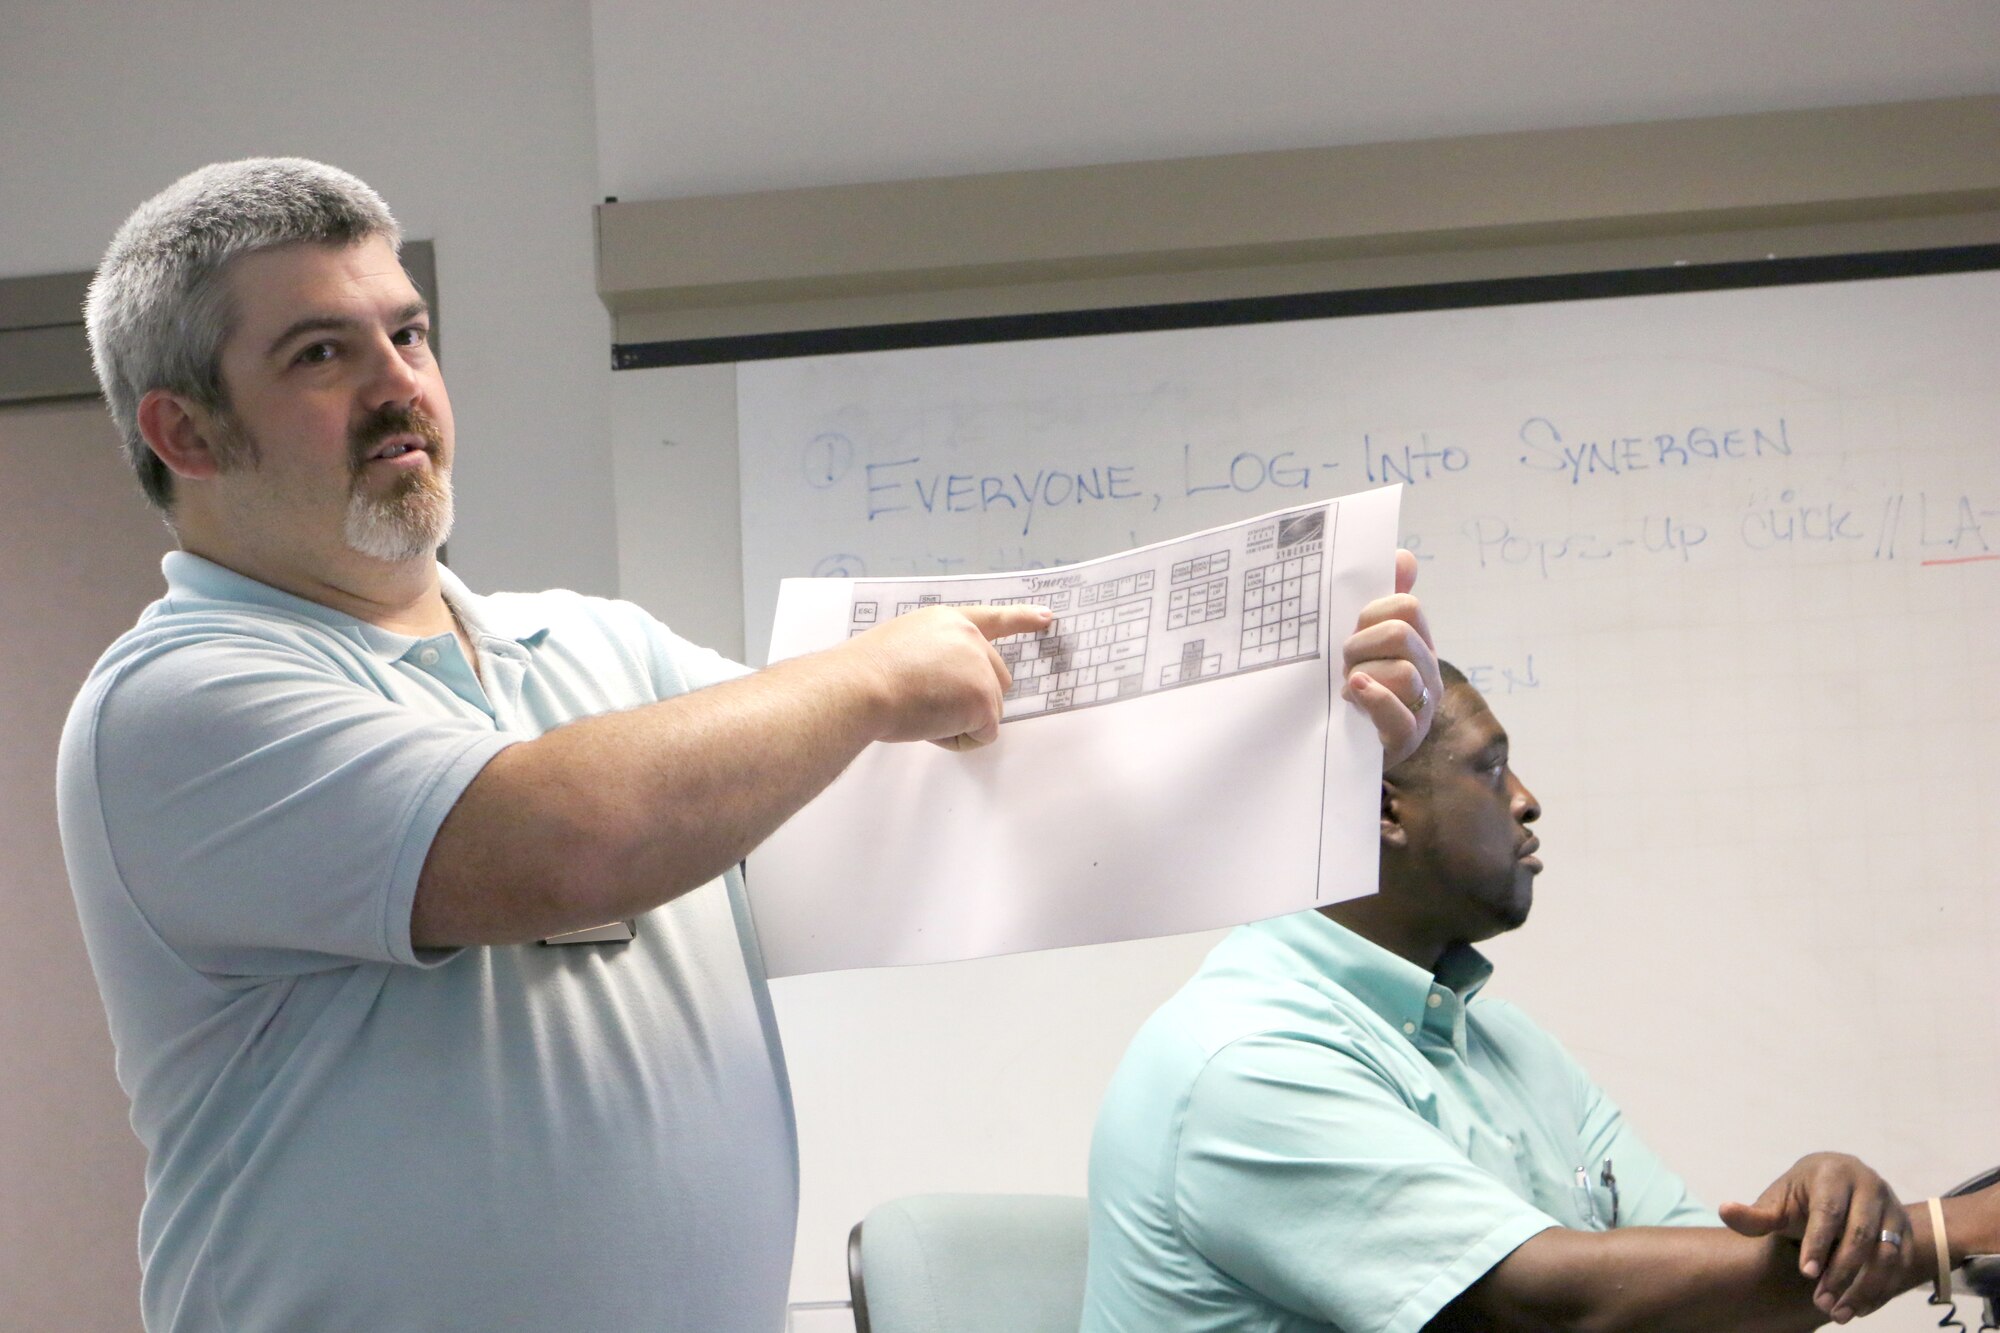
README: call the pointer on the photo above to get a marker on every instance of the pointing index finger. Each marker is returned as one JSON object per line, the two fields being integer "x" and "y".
{"x": 997, "y": 622}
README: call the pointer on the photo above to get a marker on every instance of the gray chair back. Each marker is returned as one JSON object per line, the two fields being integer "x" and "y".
{"x": 969, "y": 1263}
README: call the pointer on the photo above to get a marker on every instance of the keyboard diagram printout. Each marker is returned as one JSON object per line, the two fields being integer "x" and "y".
{"x": 1173, "y": 755}
{"x": 1180, "y": 613}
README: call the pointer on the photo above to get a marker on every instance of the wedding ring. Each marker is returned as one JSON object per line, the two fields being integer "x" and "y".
{"x": 1894, "y": 1238}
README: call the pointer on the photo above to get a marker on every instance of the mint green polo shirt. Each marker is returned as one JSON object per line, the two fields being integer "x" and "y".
{"x": 344, "y": 1131}
{"x": 1316, "y": 1134}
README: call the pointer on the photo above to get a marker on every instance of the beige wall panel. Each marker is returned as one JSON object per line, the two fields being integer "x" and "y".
{"x": 81, "y": 553}
{"x": 1482, "y": 206}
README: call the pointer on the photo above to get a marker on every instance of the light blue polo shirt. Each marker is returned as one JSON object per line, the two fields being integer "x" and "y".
{"x": 1314, "y": 1133}
{"x": 348, "y": 1133}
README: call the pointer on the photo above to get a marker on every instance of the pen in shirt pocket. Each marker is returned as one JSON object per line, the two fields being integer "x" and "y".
{"x": 1608, "y": 1181}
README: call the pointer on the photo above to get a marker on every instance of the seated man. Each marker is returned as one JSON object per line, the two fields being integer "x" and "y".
{"x": 1327, "y": 1128}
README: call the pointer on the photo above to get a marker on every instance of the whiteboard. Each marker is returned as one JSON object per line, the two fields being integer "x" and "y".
{"x": 1724, "y": 564}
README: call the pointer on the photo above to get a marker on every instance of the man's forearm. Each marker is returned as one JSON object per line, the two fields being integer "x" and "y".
{"x": 1670, "y": 1279}
{"x": 1659, "y": 1279}
{"x": 612, "y": 815}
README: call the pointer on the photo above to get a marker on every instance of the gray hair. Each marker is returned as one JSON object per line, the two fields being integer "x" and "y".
{"x": 159, "y": 312}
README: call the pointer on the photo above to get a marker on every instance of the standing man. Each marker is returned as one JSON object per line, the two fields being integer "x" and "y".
{"x": 329, "y": 816}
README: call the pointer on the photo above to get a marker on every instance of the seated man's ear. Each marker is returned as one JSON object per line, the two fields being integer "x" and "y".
{"x": 1393, "y": 833}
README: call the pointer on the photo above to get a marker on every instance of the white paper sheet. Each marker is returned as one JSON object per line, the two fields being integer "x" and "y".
{"x": 1173, "y": 756}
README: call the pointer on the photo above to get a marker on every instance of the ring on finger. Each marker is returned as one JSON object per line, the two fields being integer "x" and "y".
{"x": 1892, "y": 1238}
{"x": 1423, "y": 699}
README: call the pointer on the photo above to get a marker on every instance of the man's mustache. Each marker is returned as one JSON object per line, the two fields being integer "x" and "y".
{"x": 391, "y": 419}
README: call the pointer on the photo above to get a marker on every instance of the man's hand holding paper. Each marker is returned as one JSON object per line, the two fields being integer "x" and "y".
{"x": 1392, "y": 667}
{"x": 942, "y": 680}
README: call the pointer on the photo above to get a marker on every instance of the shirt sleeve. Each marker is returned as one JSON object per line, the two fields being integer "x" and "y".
{"x": 677, "y": 665}
{"x": 269, "y": 816}
{"x": 1303, "y": 1174}
{"x": 696, "y": 665}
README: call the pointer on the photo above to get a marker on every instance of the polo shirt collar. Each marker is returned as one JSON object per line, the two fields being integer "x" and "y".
{"x": 1387, "y": 983}
{"x": 515, "y": 618}
{"x": 192, "y": 578}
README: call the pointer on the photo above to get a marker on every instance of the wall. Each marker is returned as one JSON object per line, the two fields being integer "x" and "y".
{"x": 700, "y": 97}
{"x": 70, "y": 1168}
{"x": 479, "y": 133}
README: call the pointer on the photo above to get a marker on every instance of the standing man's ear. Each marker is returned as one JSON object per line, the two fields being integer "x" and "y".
{"x": 1393, "y": 833}
{"x": 178, "y": 433}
